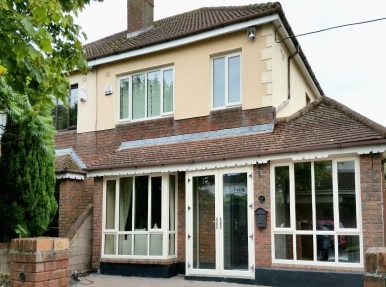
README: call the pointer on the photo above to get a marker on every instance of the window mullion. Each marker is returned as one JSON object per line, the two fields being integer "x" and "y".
{"x": 336, "y": 205}
{"x": 226, "y": 70}
{"x": 313, "y": 196}
{"x": 130, "y": 105}
{"x": 146, "y": 94}
{"x": 161, "y": 91}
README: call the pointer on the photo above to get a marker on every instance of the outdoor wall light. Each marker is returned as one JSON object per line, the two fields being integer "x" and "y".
{"x": 251, "y": 32}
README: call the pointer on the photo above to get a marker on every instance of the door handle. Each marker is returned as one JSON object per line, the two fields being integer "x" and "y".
{"x": 216, "y": 221}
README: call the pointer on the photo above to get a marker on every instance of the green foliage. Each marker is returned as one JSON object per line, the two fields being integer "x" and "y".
{"x": 28, "y": 181}
{"x": 22, "y": 231}
{"x": 39, "y": 45}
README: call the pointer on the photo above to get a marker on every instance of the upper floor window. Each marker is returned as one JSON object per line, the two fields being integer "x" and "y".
{"x": 226, "y": 80}
{"x": 316, "y": 212}
{"x": 66, "y": 117}
{"x": 146, "y": 95}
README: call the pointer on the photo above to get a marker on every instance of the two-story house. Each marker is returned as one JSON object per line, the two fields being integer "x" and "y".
{"x": 206, "y": 146}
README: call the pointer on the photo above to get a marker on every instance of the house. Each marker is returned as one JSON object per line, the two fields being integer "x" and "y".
{"x": 205, "y": 145}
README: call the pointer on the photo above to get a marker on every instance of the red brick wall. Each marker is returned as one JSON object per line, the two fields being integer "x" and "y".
{"x": 371, "y": 193}
{"x": 89, "y": 146}
{"x": 261, "y": 181}
{"x": 181, "y": 222}
{"x": 97, "y": 222}
{"x": 43, "y": 261}
{"x": 74, "y": 197}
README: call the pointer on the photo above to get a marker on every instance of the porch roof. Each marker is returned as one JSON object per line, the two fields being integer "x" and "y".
{"x": 324, "y": 124}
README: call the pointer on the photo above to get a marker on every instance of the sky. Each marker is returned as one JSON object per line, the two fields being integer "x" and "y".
{"x": 349, "y": 62}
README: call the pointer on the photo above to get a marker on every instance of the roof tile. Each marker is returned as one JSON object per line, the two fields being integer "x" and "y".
{"x": 324, "y": 124}
{"x": 178, "y": 26}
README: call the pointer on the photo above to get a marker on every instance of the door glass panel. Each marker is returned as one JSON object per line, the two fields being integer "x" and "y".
{"x": 346, "y": 192}
{"x": 235, "y": 223}
{"x": 204, "y": 237}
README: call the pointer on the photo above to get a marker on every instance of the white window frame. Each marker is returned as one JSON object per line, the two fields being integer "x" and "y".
{"x": 130, "y": 105}
{"x": 227, "y": 103}
{"x": 338, "y": 230}
{"x": 164, "y": 230}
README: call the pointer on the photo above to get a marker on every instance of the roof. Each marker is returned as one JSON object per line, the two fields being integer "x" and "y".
{"x": 323, "y": 124}
{"x": 179, "y": 26}
{"x": 65, "y": 163}
{"x": 189, "y": 24}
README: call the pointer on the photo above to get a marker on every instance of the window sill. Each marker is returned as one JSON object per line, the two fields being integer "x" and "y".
{"x": 166, "y": 261}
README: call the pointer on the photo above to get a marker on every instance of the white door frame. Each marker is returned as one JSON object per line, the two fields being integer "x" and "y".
{"x": 219, "y": 241}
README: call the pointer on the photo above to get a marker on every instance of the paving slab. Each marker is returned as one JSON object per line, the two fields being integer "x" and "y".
{"x": 100, "y": 280}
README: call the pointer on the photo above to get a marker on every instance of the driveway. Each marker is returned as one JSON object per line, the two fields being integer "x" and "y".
{"x": 98, "y": 280}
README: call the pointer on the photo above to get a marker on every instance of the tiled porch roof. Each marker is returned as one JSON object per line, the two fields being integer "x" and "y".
{"x": 65, "y": 163}
{"x": 323, "y": 124}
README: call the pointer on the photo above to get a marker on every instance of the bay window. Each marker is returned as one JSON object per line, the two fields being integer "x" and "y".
{"x": 316, "y": 210}
{"x": 146, "y": 95}
{"x": 140, "y": 217}
{"x": 226, "y": 80}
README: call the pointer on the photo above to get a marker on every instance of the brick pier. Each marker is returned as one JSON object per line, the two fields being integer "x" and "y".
{"x": 39, "y": 262}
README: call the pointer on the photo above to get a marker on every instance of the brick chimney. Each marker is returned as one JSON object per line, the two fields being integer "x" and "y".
{"x": 140, "y": 14}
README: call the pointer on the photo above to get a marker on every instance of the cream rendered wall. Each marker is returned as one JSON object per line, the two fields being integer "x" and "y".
{"x": 275, "y": 55}
{"x": 86, "y": 109}
{"x": 263, "y": 73}
{"x": 192, "y": 72}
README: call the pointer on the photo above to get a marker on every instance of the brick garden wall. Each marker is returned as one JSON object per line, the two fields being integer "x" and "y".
{"x": 38, "y": 262}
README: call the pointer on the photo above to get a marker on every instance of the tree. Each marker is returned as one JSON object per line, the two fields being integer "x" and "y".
{"x": 39, "y": 45}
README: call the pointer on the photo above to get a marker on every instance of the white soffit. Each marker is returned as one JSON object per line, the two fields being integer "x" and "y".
{"x": 237, "y": 162}
{"x": 70, "y": 175}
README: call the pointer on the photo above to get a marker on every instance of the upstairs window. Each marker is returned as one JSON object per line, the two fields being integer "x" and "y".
{"x": 146, "y": 95}
{"x": 66, "y": 117}
{"x": 226, "y": 80}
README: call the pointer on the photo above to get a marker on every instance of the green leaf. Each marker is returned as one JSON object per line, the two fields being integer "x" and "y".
{"x": 2, "y": 70}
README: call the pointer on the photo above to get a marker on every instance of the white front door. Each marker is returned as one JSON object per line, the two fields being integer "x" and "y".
{"x": 219, "y": 223}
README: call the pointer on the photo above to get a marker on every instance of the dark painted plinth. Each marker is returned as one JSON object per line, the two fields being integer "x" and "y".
{"x": 294, "y": 278}
{"x": 140, "y": 270}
